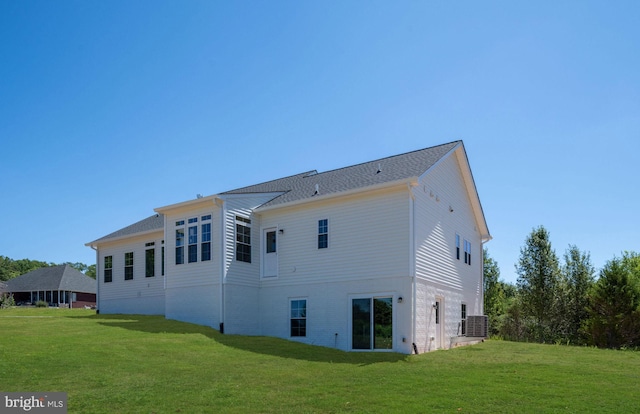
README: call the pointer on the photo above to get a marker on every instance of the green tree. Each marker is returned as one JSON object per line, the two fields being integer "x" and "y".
{"x": 539, "y": 286}
{"x": 91, "y": 271}
{"x": 494, "y": 295}
{"x": 578, "y": 274}
{"x": 614, "y": 305}
{"x": 10, "y": 268}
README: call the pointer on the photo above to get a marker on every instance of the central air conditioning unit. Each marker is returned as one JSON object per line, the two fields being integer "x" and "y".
{"x": 477, "y": 326}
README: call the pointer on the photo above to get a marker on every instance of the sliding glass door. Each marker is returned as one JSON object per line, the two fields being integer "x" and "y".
{"x": 372, "y": 323}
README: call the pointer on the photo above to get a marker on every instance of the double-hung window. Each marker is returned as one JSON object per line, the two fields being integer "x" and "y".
{"x": 298, "y": 317}
{"x": 193, "y": 240}
{"x": 457, "y": 246}
{"x": 150, "y": 260}
{"x": 205, "y": 246}
{"x": 243, "y": 239}
{"x": 128, "y": 266}
{"x": 467, "y": 252}
{"x": 323, "y": 234}
{"x": 108, "y": 269}
{"x": 180, "y": 245}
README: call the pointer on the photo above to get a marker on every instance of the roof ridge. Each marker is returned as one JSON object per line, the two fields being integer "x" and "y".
{"x": 382, "y": 159}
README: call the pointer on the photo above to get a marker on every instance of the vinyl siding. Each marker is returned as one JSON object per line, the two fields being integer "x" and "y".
{"x": 199, "y": 273}
{"x": 438, "y": 272}
{"x": 368, "y": 239}
{"x": 436, "y": 227}
{"x": 142, "y": 294}
{"x": 329, "y": 310}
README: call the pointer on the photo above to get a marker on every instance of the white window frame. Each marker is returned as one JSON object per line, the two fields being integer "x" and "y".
{"x": 325, "y": 233}
{"x": 243, "y": 221}
{"x": 305, "y": 317}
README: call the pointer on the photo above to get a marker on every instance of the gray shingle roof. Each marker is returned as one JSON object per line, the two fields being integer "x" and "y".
{"x": 372, "y": 173}
{"x": 155, "y": 222}
{"x": 63, "y": 277}
{"x": 303, "y": 186}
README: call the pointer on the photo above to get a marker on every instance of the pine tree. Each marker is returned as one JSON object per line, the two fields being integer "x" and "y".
{"x": 614, "y": 306}
{"x": 578, "y": 274}
{"x": 493, "y": 291}
{"x": 539, "y": 285}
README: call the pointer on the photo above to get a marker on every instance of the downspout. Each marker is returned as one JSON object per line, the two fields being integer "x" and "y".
{"x": 97, "y": 282}
{"x": 223, "y": 259}
{"x": 412, "y": 262}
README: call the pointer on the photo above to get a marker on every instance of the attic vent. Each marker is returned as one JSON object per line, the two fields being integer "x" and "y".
{"x": 477, "y": 326}
{"x": 317, "y": 190}
{"x": 379, "y": 169}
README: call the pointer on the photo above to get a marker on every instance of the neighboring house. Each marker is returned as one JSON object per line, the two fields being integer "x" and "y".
{"x": 57, "y": 285}
{"x": 383, "y": 255}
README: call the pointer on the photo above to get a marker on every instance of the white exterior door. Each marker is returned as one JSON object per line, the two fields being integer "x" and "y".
{"x": 270, "y": 252}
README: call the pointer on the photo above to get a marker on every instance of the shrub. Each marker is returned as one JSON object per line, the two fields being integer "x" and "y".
{"x": 7, "y": 301}
{"x": 42, "y": 304}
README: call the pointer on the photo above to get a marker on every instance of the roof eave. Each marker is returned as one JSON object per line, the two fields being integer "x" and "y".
{"x": 189, "y": 203}
{"x": 97, "y": 242}
{"x": 321, "y": 197}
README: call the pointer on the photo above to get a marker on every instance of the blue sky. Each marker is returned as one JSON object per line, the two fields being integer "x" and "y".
{"x": 110, "y": 109}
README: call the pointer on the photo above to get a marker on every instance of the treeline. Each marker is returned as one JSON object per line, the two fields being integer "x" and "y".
{"x": 554, "y": 302}
{"x": 10, "y": 268}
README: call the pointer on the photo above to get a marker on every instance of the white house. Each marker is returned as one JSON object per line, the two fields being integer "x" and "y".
{"x": 384, "y": 255}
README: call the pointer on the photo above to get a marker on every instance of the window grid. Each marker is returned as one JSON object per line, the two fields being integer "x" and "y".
{"x": 108, "y": 269}
{"x": 179, "y": 246}
{"x": 128, "y": 266}
{"x": 323, "y": 234}
{"x": 243, "y": 239}
{"x": 150, "y": 263}
{"x": 205, "y": 247}
{"x": 193, "y": 243}
{"x": 467, "y": 252}
{"x": 299, "y": 317}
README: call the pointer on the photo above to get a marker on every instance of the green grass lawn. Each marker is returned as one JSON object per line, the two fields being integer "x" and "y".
{"x": 146, "y": 364}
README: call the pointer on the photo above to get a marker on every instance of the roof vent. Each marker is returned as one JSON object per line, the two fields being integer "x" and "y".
{"x": 317, "y": 190}
{"x": 379, "y": 169}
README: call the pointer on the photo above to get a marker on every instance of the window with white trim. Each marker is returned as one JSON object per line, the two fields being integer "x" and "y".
{"x": 108, "y": 269}
{"x": 298, "y": 317}
{"x": 193, "y": 243}
{"x": 128, "y": 266}
{"x": 457, "y": 246}
{"x": 323, "y": 234}
{"x": 205, "y": 245}
{"x": 243, "y": 239}
{"x": 467, "y": 252}
{"x": 179, "y": 246}
{"x": 150, "y": 260}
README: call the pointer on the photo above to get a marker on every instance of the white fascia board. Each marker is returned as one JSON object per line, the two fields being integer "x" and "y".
{"x": 96, "y": 243}
{"x": 403, "y": 182}
{"x": 186, "y": 204}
